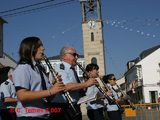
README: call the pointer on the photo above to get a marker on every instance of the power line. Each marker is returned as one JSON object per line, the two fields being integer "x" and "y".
{"x": 6, "y": 11}
{"x": 38, "y": 8}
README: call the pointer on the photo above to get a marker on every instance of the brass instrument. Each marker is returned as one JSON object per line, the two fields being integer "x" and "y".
{"x": 65, "y": 93}
{"x": 110, "y": 100}
{"x": 103, "y": 85}
{"x": 126, "y": 97}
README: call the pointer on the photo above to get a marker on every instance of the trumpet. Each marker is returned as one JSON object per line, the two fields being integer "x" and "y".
{"x": 110, "y": 100}
{"x": 65, "y": 93}
{"x": 126, "y": 97}
{"x": 102, "y": 85}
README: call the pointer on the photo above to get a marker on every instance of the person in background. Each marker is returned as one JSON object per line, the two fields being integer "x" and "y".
{"x": 10, "y": 98}
{"x": 1, "y": 102}
{"x": 114, "y": 112}
{"x": 66, "y": 69}
{"x": 33, "y": 88}
{"x": 3, "y": 77}
{"x": 94, "y": 109}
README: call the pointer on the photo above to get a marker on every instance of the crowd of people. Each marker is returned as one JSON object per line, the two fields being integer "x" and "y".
{"x": 30, "y": 93}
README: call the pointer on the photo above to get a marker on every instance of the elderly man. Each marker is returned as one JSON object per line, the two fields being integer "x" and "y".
{"x": 68, "y": 57}
{"x": 10, "y": 98}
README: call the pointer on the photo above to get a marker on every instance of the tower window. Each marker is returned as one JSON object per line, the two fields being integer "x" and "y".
{"x": 92, "y": 36}
{"x": 94, "y": 60}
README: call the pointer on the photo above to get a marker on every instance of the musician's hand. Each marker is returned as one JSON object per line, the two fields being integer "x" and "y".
{"x": 109, "y": 93}
{"x": 91, "y": 81}
{"x": 57, "y": 87}
{"x": 118, "y": 101}
{"x": 57, "y": 79}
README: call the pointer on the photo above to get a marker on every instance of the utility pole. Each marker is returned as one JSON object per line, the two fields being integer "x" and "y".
{"x": 2, "y": 21}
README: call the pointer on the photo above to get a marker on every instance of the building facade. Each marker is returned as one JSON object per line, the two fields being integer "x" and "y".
{"x": 143, "y": 77}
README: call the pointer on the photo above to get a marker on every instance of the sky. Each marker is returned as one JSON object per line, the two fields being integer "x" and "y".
{"x": 130, "y": 26}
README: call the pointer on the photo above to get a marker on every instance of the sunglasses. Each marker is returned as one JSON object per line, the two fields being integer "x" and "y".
{"x": 74, "y": 54}
{"x": 113, "y": 79}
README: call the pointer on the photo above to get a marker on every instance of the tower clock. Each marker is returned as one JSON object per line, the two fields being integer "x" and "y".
{"x": 92, "y": 27}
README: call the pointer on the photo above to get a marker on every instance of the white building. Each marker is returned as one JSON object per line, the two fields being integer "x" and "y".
{"x": 121, "y": 83}
{"x": 143, "y": 76}
{"x": 6, "y": 60}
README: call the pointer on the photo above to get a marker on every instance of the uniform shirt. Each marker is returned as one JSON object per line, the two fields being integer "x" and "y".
{"x": 8, "y": 89}
{"x": 96, "y": 104}
{"x": 25, "y": 77}
{"x": 112, "y": 107}
{"x": 67, "y": 76}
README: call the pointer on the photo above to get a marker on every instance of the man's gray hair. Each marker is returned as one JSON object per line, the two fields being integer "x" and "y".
{"x": 10, "y": 72}
{"x": 64, "y": 50}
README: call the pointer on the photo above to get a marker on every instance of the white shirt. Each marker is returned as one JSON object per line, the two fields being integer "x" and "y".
{"x": 112, "y": 107}
{"x": 96, "y": 104}
{"x": 67, "y": 76}
{"x": 25, "y": 77}
{"x": 8, "y": 89}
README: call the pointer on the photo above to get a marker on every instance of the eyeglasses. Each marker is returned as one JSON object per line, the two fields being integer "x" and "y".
{"x": 113, "y": 79}
{"x": 74, "y": 54}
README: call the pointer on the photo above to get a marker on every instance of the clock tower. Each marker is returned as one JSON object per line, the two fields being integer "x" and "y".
{"x": 92, "y": 28}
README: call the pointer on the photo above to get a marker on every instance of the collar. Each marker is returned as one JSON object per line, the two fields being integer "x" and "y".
{"x": 67, "y": 65}
{"x": 34, "y": 63}
{"x": 10, "y": 81}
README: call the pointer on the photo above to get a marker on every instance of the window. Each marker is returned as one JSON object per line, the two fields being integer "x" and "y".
{"x": 153, "y": 96}
{"x": 92, "y": 36}
{"x": 94, "y": 60}
{"x": 139, "y": 72}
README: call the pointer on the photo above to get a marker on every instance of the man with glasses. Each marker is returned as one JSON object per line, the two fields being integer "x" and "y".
{"x": 68, "y": 57}
{"x": 113, "y": 111}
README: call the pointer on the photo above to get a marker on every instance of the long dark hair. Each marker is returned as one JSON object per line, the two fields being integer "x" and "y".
{"x": 107, "y": 77}
{"x": 28, "y": 49}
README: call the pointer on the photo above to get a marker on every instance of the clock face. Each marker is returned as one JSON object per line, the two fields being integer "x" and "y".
{"x": 91, "y": 24}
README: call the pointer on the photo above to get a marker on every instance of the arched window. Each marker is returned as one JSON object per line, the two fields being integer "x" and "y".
{"x": 92, "y": 36}
{"x": 94, "y": 60}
